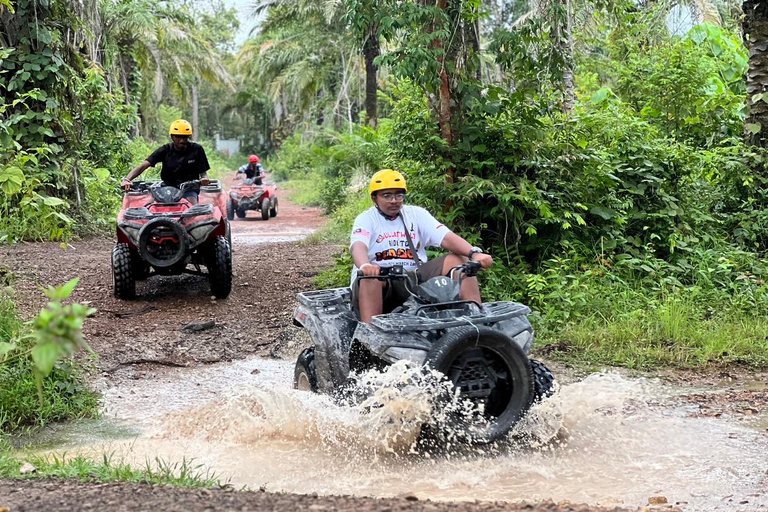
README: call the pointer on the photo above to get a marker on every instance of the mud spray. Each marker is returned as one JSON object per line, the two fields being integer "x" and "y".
{"x": 604, "y": 440}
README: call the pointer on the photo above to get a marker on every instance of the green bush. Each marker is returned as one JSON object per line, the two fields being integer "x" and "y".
{"x": 39, "y": 382}
{"x": 323, "y": 165}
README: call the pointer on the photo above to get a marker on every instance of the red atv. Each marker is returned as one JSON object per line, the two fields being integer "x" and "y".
{"x": 160, "y": 233}
{"x": 252, "y": 195}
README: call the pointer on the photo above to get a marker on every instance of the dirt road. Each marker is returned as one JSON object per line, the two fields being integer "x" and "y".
{"x": 148, "y": 333}
{"x": 174, "y": 322}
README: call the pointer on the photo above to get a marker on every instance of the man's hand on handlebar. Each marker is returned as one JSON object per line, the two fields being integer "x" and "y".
{"x": 125, "y": 185}
{"x": 483, "y": 259}
{"x": 370, "y": 270}
{"x": 205, "y": 182}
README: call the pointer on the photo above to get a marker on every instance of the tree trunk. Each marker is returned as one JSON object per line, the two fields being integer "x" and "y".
{"x": 195, "y": 114}
{"x": 444, "y": 99}
{"x": 755, "y": 28}
{"x": 564, "y": 35}
{"x": 473, "y": 42}
{"x": 371, "y": 50}
{"x": 124, "y": 66}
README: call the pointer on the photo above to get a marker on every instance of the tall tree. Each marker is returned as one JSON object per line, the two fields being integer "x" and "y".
{"x": 755, "y": 27}
{"x": 364, "y": 17}
{"x": 304, "y": 60}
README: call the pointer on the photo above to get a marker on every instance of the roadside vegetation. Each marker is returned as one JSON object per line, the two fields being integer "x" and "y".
{"x": 107, "y": 468}
{"x": 40, "y": 382}
{"x": 632, "y": 221}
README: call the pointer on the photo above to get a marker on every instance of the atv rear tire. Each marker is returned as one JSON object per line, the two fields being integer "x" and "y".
{"x": 544, "y": 380}
{"x": 273, "y": 210}
{"x": 265, "y": 210}
{"x": 305, "y": 375}
{"x": 490, "y": 370}
{"x": 123, "y": 281}
{"x": 220, "y": 268}
{"x": 230, "y": 209}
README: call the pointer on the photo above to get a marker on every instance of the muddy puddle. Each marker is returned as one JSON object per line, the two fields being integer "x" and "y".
{"x": 604, "y": 440}
{"x": 251, "y": 238}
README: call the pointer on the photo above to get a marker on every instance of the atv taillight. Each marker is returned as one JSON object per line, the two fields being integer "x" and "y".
{"x": 159, "y": 240}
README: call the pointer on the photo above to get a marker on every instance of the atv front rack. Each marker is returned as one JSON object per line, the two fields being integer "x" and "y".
{"x": 491, "y": 313}
{"x": 333, "y": 297}
{"x": 143, "y": 212}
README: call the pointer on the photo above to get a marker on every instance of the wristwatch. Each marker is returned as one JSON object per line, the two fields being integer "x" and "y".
{"x": 474, "y": 251}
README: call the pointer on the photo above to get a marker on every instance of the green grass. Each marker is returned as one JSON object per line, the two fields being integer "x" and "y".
{"x": 108, "y": 469}
{"x": 673, "y": 333}
{"x": 304, "y": 192}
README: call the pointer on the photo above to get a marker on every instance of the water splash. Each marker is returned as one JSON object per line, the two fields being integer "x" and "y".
{"x": 603, "y": 439}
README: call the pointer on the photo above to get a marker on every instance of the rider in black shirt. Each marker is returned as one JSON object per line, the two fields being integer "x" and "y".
{"x": 182, "y": 161}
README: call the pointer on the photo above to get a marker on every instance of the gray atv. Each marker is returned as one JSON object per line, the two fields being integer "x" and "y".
{"x": 481, "y": 348}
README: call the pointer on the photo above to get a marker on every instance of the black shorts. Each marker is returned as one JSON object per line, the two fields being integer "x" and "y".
{"x": 396, "y": 291}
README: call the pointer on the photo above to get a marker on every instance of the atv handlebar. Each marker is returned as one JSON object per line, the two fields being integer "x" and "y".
{"x": 145, "y": 186}
{"x": 467, "y": 269}
{"x": 393, "y": 272}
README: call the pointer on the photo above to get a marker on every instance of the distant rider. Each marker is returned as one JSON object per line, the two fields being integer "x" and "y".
{"x": 181, "y": 159}
{"x": 252, "y": 170}
{"x": 379, "y": 239}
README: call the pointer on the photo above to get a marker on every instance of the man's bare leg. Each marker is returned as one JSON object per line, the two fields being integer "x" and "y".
{"x": 370, "y": 298}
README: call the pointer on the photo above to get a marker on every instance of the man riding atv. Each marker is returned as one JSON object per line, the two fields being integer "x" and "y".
{"x": 391, "y": 233}
{"x": 252, "y": 170}
{"x": 181, "y": 159}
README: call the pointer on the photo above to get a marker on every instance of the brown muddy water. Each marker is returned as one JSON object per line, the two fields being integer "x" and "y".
{"x": 604, "y": 440}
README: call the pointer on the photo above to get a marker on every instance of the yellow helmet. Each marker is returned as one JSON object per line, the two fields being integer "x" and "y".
{"x": 180, "y": 127}
{"x": 387, "y": 178}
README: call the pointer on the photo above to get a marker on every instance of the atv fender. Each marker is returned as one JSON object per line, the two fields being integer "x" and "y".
{"x": 392, "y": 346}
{"x": 519, "y": 329}
{"x": 331, "y": 333}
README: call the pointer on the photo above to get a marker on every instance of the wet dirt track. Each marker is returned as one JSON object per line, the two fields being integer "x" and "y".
{"x": 70, "y": 496}
{"x": 150, "y": 332}
{"x": 174, "y": 324}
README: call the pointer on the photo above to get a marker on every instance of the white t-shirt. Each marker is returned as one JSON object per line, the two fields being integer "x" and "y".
{"x": 386, "y": 240}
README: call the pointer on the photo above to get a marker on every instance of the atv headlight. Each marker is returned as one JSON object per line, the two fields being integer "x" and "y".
{"x": 235, "y": 195}
{"x": 409, "y": 354}
{"x": 200, "y": 233}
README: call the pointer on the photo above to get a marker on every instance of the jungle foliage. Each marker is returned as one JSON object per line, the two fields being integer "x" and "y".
{"x": 633, "y": 223}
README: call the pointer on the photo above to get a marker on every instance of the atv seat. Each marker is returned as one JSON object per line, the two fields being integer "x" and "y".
{"x": 141, "y": 212}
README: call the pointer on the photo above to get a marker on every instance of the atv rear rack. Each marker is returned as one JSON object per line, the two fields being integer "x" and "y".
{"x": 492, "y": 312}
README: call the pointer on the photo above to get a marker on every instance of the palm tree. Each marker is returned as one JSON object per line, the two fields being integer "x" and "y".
{"x": 162, "y": 45}
{"x": 755, "y": 27}
{"x": 302, "y": 59}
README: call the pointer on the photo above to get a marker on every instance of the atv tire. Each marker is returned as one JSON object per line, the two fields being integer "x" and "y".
{"x": 305, "y": 375}
{"x": 220, "y": 267}
{"x": 241, "y": 213}
{"x": 273, "y": 210}
{"x": 173, "y": 228}
{"x": 230, "y": 209}
{"x": 265, "y": 210}
{"x": 543, "y": 379}
{"x": 491, "y": 370}
{"x": 123, "y": 281}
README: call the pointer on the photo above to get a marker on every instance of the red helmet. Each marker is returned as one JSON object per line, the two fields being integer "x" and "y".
{"x": 253, "y": 158}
